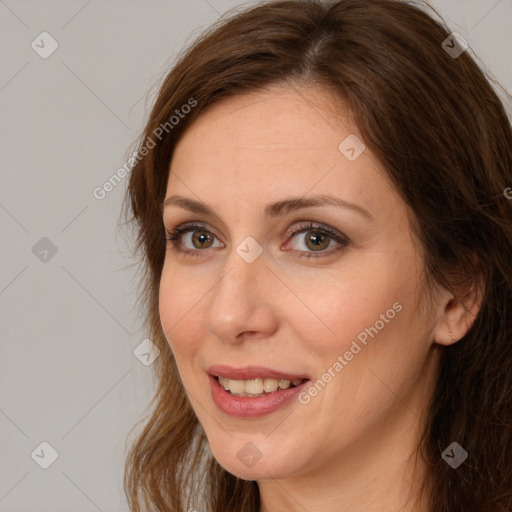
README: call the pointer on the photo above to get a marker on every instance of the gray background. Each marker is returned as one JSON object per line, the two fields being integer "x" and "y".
{"x": 69, "y": 320}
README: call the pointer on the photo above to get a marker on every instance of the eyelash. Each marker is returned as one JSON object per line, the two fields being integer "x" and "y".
{"x": 343, "y": 241}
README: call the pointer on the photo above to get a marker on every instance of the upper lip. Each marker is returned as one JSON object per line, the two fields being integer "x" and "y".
{"x": 252, "y": 372}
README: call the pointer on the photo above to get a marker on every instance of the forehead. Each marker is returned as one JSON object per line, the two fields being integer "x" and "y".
{"x": 277, "y": 118}
{"x": 278, "y": 141}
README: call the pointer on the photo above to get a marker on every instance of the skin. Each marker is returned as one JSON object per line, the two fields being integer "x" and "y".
{"x": 351, "y": 448}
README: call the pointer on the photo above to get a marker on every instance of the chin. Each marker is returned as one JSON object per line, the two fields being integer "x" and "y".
{"x": 256, "y": 458}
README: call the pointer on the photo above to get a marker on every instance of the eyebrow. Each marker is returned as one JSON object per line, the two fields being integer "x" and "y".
{"x": 272, "y": 210}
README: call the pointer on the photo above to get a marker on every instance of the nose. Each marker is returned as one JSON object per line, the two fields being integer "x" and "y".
{"x": 241, "y": 305}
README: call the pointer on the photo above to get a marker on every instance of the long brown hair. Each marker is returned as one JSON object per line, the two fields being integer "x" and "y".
{"x": 441, "y": 132}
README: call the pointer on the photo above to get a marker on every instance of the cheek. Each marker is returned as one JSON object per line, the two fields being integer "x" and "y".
{"x": 378, "y": 336}
{"x": 178, "y": 304}
{"x": 348, "y": 306}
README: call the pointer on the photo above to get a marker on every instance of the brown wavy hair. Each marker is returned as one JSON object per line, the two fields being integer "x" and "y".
{"x": 442, "y": 134}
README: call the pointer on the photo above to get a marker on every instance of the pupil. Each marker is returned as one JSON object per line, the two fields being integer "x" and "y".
{"x": 202, "y": 238}
{"x": 317, "y": 240}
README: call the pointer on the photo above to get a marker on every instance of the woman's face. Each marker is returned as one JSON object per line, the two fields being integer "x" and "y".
{"x": 300, "y": 266}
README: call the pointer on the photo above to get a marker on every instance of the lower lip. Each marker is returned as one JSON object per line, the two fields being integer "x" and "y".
{"x": 246, "y": 407}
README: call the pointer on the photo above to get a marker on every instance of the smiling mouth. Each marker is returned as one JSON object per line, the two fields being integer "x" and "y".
{"x": 254, "y": 388}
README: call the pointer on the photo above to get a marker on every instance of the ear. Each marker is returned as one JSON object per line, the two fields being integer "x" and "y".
{"x": 457, "y": 315}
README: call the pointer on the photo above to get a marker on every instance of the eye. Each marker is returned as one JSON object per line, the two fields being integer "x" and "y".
{"x": 314, "y": 240}
{"x": 191, "y": 239}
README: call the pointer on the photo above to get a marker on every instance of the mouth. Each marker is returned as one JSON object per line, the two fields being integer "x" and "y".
{"x": 253, "y": 391}
{"x": 258, "y": 387}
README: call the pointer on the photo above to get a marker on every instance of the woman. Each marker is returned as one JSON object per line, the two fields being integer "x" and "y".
{"x": 320, "y": 199}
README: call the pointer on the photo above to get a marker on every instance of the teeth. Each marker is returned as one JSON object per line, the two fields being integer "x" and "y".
{"x": 224, "y": 383}
{"x": 256, "y": 387}
{"x": 270, "y": 385}
{"x": 284, "y": 384}
{"x": 236, "y": 386}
